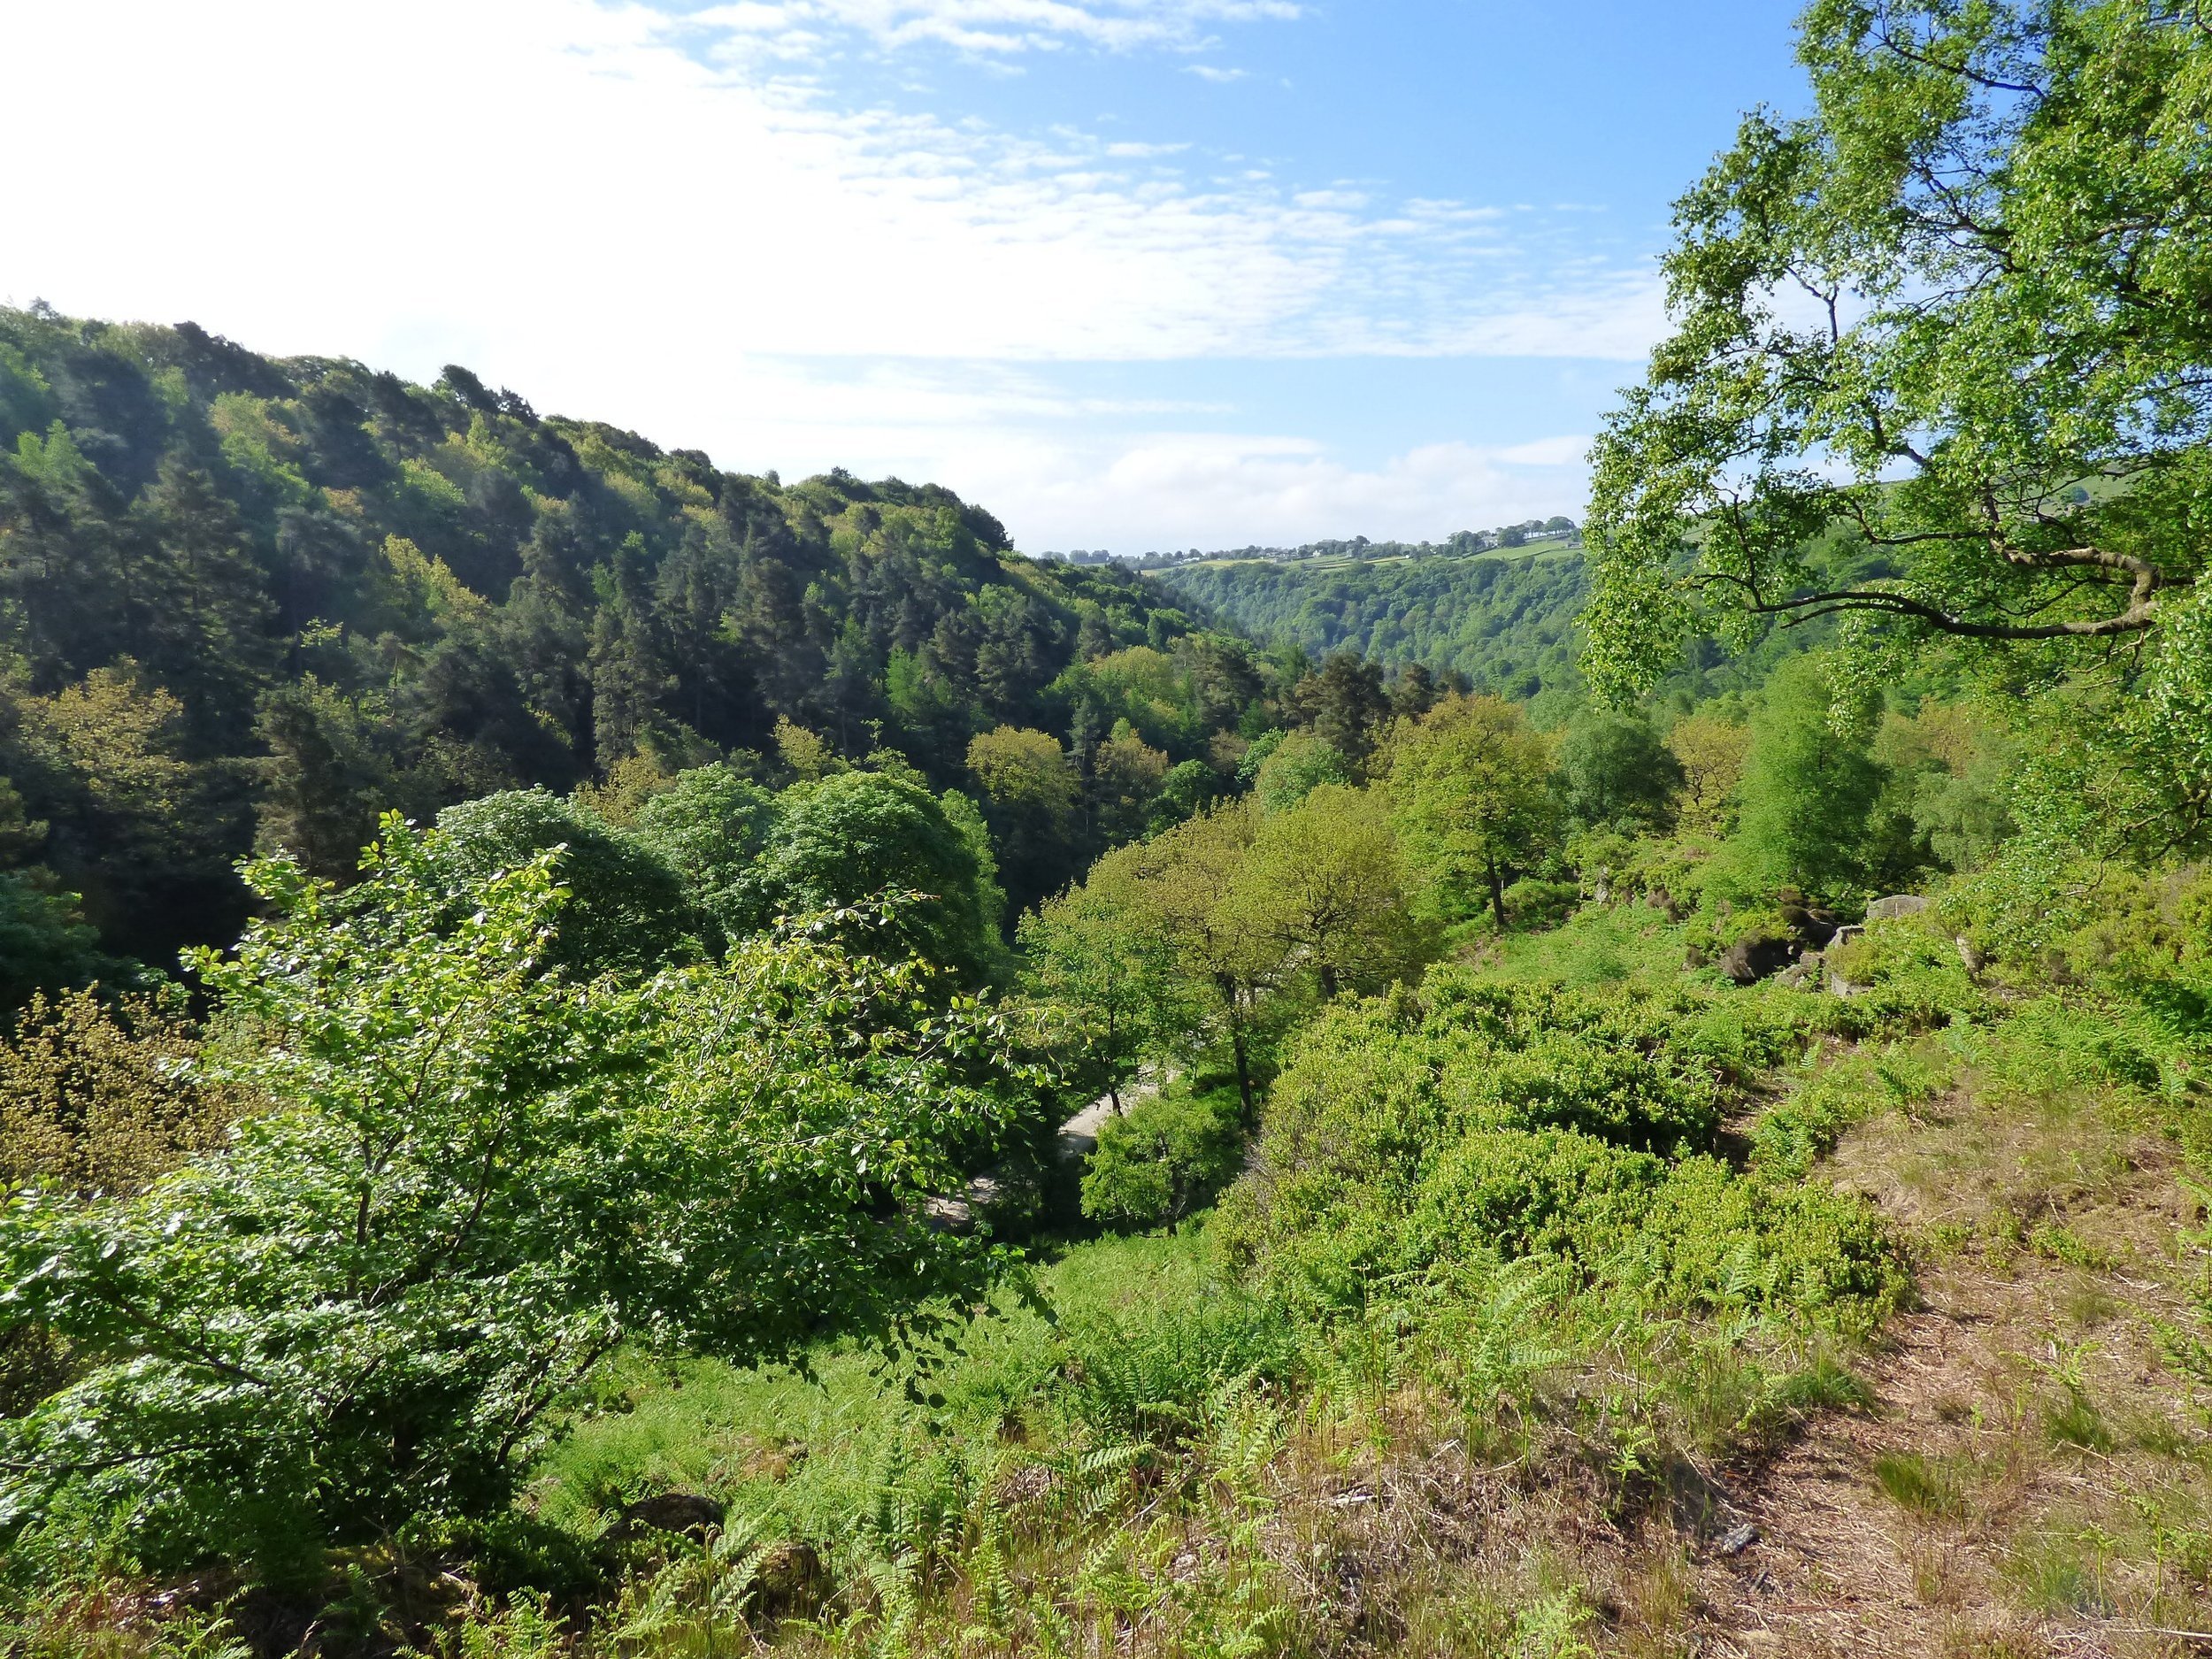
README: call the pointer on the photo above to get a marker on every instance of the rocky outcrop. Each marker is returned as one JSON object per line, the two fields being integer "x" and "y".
{"x": 1756, "y": 956}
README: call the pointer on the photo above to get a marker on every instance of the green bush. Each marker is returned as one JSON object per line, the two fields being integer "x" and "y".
{"x": 1909, "y": 979}
{"x": 1150, "y": 1373}
{"x": 1715, "y": 1239}
{"x": 1168, "y": 1155}
{"x": 1520, "y": 1193}
{"x": 1485, "y": 1120}
{"x": 627, "y": 910}
{"x": 474, "y": 1179}
{"x": 1537, "y": 904}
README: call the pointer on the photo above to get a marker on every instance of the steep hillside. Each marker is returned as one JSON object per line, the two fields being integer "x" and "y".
{"x": 1506, "y": 620}
{"x": 245, "y": 599}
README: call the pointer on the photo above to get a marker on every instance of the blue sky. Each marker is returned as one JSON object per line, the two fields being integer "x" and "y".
{"x": 1135, "y": 274}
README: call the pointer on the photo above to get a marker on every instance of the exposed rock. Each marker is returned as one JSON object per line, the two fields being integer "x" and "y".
{"x": 684, "y": 1512}
{"x": 1970, "y": 954}
{"x": 1796, "y": 975}
{"x": 791, "y": 1580}
{"x": 1756, "y": 957}
{"x": 948, "y": 1214}
{"x": 1814, "y": 924}
{"x": 1896, "y": 907}
{"x": 1739, "y": 1540}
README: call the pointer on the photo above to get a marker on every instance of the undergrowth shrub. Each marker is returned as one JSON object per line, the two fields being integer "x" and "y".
{"x": 1805, "y": 1125}
{"x": 1907, "y": 978}
{"x": 1168, "y": 1155}
{"x": 1503, "y": 1121}
{"x": 1153, "y": 1373}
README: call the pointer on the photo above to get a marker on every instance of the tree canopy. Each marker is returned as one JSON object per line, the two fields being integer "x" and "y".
{"x": 1940, "y": 350}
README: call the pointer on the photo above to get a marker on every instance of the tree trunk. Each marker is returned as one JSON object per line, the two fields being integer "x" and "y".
{"x": 1244, "y": 1076}
{"x": 1497, "y": 894}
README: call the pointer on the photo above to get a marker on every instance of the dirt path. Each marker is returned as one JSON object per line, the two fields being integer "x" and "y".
{"x": 2025, "y": 1450}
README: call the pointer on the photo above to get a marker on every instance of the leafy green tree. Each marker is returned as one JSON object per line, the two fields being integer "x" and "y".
{"x": 845, "y": 841}
{"x": 626, "y": 911}
{"x": 134, "y": 824}
{"x": 1710, "y": 752}
{"x": 1809, "y": 787}
{"x": 1294, "y": 767}
{"x": 1188, "y": 789}
{"x": 45, "y": 942}
{"x": 1170, "y": 1153}
{"x": 1112, "y": 976}
{"x": 1471, "y": 795}
{"x": 1181, "y": 887}
{"x": 1324, "y": 886}
{"x": 1939, "y": 344}
{"x": 711, "y": 825}
{"x": 1345, "y": 703}
{"x": 474, "y": 1179}
{"x": 1616, "y": 774}
{"x": 1127, "y": 775}
{"x": 1029, "y": 793}
{"x": 328, "y": 778}
{"x": 359, "y": 595}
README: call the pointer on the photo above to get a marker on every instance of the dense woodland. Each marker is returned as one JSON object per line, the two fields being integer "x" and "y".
{"x": 252, "y": 603}
{"x": 547, "y": 988}
{"x": 1505, "y": 622}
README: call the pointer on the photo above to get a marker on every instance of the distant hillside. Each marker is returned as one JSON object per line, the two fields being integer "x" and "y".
{"x": 1506, "y": 620}
{"x": 250, "y": 599}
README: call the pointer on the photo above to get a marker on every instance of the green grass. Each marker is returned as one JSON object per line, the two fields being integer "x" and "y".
{"x": 1599, "y": 945}
{"x": 1920, "y": 1484}
{"x": 807, "y": 1447}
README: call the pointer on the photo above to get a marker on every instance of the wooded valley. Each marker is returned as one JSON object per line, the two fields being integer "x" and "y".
{"x": 604, "y": 1058}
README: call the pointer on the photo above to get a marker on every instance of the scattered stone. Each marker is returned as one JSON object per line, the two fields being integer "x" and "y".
{"x": 948, "y": 1215}
{"x": 1740, "y": 1539}
{"x": 1897, "y": 906}
{"x": 684, "y": 1512}
{"x": 985, "y": 1191}
{"x": 1757, "y": 957}
{"x": 1814, "y": 924}
{"x": 791, "y": 1580}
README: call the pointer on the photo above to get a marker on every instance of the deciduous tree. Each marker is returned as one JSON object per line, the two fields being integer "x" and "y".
{"x": 1471, "y": 795}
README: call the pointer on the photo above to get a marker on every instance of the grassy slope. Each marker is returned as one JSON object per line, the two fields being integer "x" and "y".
{"x": 1163, "y": 1465}
{"x": 2009, "y": 1469}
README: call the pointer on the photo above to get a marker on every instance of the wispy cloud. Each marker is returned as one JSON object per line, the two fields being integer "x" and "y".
{"x": 674, "y": 221}
{"x": 1000, "y": 26}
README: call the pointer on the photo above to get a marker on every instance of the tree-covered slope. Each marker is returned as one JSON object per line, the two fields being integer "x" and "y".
{"x": 246, "y": 599}
{"x": 1506, "y": 622}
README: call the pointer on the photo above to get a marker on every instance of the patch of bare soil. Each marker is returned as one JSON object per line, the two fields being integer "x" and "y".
{"x": 2030, "y": 1479}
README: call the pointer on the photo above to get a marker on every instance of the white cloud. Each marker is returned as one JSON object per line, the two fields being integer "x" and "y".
{"x": 1194, "y": 489}
{"x": 1013, "y": 26}
{"x": 1567, "y": 451}
{"x": 1215, "y": 72}
{"x": 652, "y": 220}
